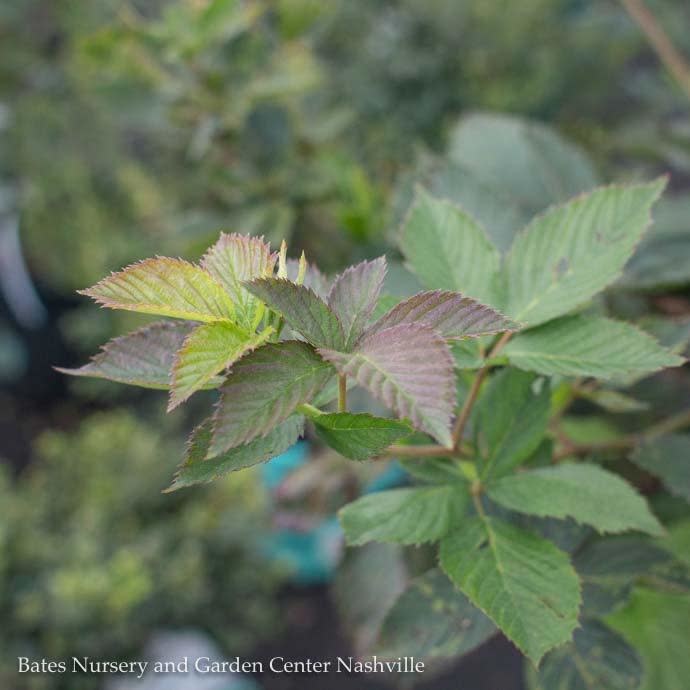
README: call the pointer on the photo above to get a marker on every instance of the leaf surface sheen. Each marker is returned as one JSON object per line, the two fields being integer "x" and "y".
{"x": 303, "y": 310}
{"x": 263, "y": 389}
{"x": 589, "y": 346}
{"x": 405, "y": 516}
{"x": 524, "y": 583}
{"x": 573, "y": 251}
{"x": 143, "y": 358}
{"x": 166, "y": 287}
{"x": 582, "y": 491}
{"x": 354, "y": 295}
{"x": 453, "y": 315}
{"x": 409, "y": 368}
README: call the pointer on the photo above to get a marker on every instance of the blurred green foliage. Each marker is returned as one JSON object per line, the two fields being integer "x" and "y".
{"x": 137, "y": 127}
{"x": 93, "y": 557}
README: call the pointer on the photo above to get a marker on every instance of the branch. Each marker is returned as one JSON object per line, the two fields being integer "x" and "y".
{"x": 660, "y": 41}
{"x": 461, "y": 421}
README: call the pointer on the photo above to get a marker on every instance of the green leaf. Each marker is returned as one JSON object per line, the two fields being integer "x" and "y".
{"x": 234, "y": 259}
{"x": 303, "y": 310}
{"x": 588, "y": 346}
{"x": 449, "y": 313}
{"x": 614, "y": 401}
{"x": 658, "y": 626}
{"x": 358, "y": 436}
{"x": 198, "y": 468}
{"x": 596, "y": 659}
{"x": 366, "y": 585}
{"x": 408, "y": 368}
{"x": 609, "y": 569}
{"x": 584, "y": 492}
{"x": 448, "y": 250}
{"x": 404, "y": 516}
{"x": 142, "y": 358}
{"x": 467, "y": 354}
{"x": 662, "y": 261}
{"x": 354, "y": 295}
{"x": 263, "y": 389}
{"x": 504, "y": 170}
{"x": 678, "y": 540}
{"x": 523, "y": 583}
{"x": 432, "y": 619}
{"x": 207, "y": 351}
{"x": 667, "y": 457}
{"x": 512, "y": 418}
{"x": 572, "y": 252}
{"x": 433, "y": 470}
{"x": 168, "y": 287}
{"x": 385, "y": 304}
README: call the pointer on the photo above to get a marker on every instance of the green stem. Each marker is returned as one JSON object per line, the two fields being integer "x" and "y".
{"x": 464, "y": 415}
{"x": 342, "y": 393}
{"x": 309, "y": 410}
{"x": 476, "y": 498}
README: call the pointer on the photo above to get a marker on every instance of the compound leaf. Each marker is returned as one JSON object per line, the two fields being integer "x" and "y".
{"x": 263, "y": 389}
{"x": 571, "y": 252}
{"x": 589, "y": 346}
{"x": 358, "y": 436}
{"x": 432, "y": 619}
{"x": 409, "y": 368}
{"x": 405, "y": 516}
{"x": 450, "y": 313}
{"x": 198, "y": 468}
{"x": 523, "y": 583}
{"x": 448, "y": 250}
{"x": 208, "y": 350}
{"x": 232, "y": 260}
{"x": 354, "y": 295}
{"x": 303, "y": 310}
{"x": 168, "y": 287}
{"x": 144, "y": 357}
{"x": 582, "y": 491}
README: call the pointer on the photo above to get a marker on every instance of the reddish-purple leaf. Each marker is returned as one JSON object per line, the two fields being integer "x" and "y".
{"x": 409, "y": 368}
{"x": 263, "y": 389}
{"x": 142, "y": 358}
{"x": 303, "y": 310}
{"x": 453, "y": 315}
{"x": 354, "y": 295}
